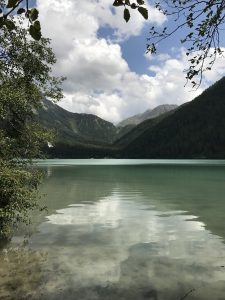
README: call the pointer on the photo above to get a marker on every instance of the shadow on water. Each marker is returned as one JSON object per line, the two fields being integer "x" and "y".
{"x": 124, "y": 233}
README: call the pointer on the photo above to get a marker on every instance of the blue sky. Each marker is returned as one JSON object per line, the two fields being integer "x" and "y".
{"x": 133, "y": 49}
{"x": 103, "y": 58}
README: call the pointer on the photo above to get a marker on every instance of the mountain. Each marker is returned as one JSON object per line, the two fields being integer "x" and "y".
{"x": 131, "y": 132}
{"x": 194, "y": 130}
{"x": 73, "y": 128}
{"x": 84, "y": 129}
{"x": 148, "y": 114}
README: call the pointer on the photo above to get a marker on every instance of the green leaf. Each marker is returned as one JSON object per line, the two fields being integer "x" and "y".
{"x": 21, "y": 11}
{"x": 144, "y": 12}
{"x": 126, "y": 14}
{"x": 140, "y": 2}
{"x": 37, "y": 25}
{"x": 35, "y": 32}
{"x": 1, "y": 22}
{"x": 118, "y": 3}
{"x": 11, "y": 3}
{"x": 10, "y": 24}
{"x": 133, "y": 6}
{"x": 34, "y": 14}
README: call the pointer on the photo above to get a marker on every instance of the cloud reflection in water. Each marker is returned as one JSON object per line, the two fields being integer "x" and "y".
{"x": 120, "y": 243}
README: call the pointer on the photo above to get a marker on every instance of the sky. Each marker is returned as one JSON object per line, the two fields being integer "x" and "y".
{"x": 103, "y": 57}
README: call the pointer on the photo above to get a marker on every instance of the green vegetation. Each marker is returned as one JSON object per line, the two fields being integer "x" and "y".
{"x": 86, "y": 135}
{"x": 200, "y": 24}
{"x": 72, "y": 128}
{"x": 194, "y": 130}
{"x": 21, "y": 8}
{"x": 25, "y": 76}
{"x": 81, "y": 150}
{"x": 89, "y": 130}
{"x": 136, "y": 131}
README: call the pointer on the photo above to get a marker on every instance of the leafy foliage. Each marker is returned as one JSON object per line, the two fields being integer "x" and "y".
{"x": 20, "y": 7}
{"x": 17, "y": 195}
{"x": 203, "y": 21}
{"x": 25, "y": 77}
{"x": 134, "y": 5}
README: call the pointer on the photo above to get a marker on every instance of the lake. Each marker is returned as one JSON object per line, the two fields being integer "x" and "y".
{"x": 122, "y": 230}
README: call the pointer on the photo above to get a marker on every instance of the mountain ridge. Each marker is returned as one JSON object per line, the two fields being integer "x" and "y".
{"x": 148, "y": 114}
{"x": 75, "y": 127}
{"x": 78, "y": 128}
{"x": 195, "y": 130}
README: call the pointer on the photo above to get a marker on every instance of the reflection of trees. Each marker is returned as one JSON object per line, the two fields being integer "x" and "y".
{"x": 73, "y": 185}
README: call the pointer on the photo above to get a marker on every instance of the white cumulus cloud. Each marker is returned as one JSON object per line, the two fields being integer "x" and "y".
{"x": 99, "y": 80}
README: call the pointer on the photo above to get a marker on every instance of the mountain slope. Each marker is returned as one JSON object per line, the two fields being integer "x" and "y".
{"x": 148, "y": 114}
{"x": 194, "y": 130}
{"x": 72, "y": 128}
{"x": 133, "y": 132}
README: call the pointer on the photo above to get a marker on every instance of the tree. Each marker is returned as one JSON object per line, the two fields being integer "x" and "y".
{"x": 25, "y": 78}
{"x": 203, "y": 22}
{"x": 22, "y": 8}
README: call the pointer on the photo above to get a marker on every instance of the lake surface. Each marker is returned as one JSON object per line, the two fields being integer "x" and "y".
{"x": 122, "y": 230}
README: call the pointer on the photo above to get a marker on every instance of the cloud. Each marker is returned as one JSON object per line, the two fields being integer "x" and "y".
{"x": 99, "y": 80}
{"x": 114, "y": 19}
{"x": 82, "y": 19}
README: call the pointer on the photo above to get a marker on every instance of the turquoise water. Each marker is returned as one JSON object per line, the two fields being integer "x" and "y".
{"x": 122, "y": 229}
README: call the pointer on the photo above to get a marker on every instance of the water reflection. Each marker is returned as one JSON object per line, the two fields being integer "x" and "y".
{"x": 129, "y": 233}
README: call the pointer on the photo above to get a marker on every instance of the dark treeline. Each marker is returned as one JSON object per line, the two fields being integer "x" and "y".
{"x": 61, "y": 150}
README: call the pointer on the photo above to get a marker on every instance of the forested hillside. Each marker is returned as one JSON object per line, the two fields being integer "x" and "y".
{"x": 72, "y": 128}
{"x": 195, "y": 130}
